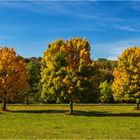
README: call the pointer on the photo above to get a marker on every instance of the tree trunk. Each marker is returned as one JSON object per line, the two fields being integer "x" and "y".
{"x": 4, "y": 105}
{"x": 71, "y": 107}
{"x": 138, "y": 106}
{"x": 27, "y": 99}
{"x": 138, "y": 102}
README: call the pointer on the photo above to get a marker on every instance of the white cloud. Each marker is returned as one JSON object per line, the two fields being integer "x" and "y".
{"x": 113, "y": 50}
{"x": 76, "y": 8}
{"x": 42, "y": 6}
{"x": 14, "y": 4}
{"x": 103, "y": 18}
{"x": 136, "y": 5}
{"x": 126, "y": 28}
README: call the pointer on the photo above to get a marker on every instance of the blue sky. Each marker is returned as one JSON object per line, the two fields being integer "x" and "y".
{"x": 110, "y": 27}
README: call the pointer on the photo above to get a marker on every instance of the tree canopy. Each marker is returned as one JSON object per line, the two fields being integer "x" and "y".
{"x": 13, "y": 75}
{"x": 68, "y": 72}
{"x": 126, "y": 85}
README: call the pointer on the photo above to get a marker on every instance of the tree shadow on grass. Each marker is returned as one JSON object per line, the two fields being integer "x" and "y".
{"x": 37, "y": 111}
{"x": 105, "y": 114}
{"x": 79, "y": 113}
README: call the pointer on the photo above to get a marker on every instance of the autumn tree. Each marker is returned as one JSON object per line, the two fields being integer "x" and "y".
{"x": 13, "y": 75}
{"x": 68, "y": 72}
{"x": 126, "y": 85}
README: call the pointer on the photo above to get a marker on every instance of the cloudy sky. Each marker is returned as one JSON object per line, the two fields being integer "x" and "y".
{"x": 110, "y": 27}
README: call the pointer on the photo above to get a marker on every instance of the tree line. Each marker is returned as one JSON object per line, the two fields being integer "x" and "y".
{"x": 67, "y": 74}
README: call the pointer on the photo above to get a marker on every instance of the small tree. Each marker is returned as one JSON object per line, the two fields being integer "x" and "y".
{"x": 106, "y": 92}
{"x": 13, "y": 75}
{"x": 33, "y": 68}
{"x": 126, "y": 85}
{"x": 67, "y": 69}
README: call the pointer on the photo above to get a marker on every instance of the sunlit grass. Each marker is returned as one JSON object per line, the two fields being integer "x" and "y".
{"x": 88, "y": 121}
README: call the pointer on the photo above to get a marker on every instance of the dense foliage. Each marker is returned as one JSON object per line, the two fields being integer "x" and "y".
{"x": 68, "y": 72}
{"x": 106, "y": 92}
{"x": 126, "y": 85}
{"x": 13, "y": 76}
{"x": 106, "y": 67}
{"x": 33, "y": 68}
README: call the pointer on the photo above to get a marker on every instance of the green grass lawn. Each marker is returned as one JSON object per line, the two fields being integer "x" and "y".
{"x": 88, "y": 122}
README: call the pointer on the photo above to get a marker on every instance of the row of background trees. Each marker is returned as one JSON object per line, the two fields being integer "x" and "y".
{"x": 106, "y": 79}
{"x": 66, "y": 73}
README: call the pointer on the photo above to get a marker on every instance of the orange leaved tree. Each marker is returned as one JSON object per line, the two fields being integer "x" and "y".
{"x": 13, "y": 75}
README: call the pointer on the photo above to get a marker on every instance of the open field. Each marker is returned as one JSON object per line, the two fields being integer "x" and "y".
{"x": 88, "y": 122}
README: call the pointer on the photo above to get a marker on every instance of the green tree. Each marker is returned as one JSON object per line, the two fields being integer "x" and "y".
{"x": 126, "y": 85}
{"x": 106, "y": 92}
{"x": 67, "y": 71}
{"x": 106, "y": 67}
{"x": 90, "y": 84}
{"x": 33, "y": 68}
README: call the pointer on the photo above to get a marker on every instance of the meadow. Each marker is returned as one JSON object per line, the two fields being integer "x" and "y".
{"x": 88, "y": 122}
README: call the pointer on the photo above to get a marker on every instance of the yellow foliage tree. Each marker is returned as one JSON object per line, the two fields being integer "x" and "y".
{"x": 126, "y": 84}
{"x": 67, "y": 71}
{"x": 13, "y": 75}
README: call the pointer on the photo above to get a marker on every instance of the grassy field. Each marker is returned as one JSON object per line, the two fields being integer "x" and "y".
{"x": 88, "y": 122}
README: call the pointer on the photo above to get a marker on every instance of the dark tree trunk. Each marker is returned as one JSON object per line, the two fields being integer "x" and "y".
{"x": 27, "y": 99}
{"x": 4, "y": 105}
{"x": 71, "y": 107}
{"x": 138, "y": 106}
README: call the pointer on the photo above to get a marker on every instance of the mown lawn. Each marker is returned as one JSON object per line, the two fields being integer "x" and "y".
{"x": 88, "y": 122}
